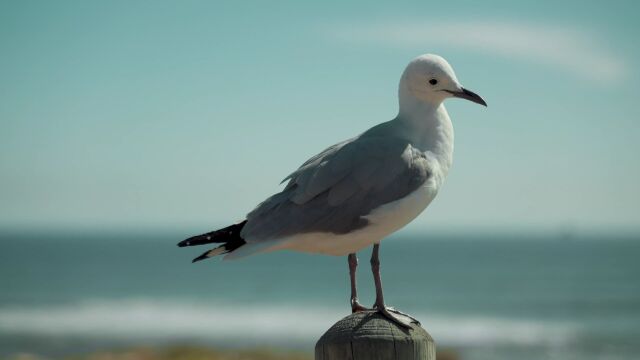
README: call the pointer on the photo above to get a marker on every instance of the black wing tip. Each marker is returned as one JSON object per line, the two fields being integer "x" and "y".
{"x": 196, "y": 240}
{"x": 217, "y": 236}
{"x": 184, "y": 243}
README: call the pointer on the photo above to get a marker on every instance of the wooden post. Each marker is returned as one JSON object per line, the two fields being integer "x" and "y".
{"x": 368, "y": 335}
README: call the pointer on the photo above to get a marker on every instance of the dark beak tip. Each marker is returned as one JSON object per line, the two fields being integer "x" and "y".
{"x": 471, "y": 96}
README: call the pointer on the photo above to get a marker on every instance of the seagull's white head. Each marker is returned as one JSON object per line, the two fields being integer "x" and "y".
{"x": 429, "y": 78}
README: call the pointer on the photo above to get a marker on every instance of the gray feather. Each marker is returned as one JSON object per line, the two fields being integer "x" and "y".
{"x": 367, "y": 171}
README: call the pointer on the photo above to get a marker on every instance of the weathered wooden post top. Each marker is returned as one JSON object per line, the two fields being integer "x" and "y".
{"x": 367, "y": 335}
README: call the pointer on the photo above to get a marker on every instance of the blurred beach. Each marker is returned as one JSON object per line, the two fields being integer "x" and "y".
{"x": 162, "y": 115}
{"x": 486, "y": 297}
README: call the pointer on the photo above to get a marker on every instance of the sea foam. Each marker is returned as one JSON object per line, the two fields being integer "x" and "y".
{"x": 144, "y": 319}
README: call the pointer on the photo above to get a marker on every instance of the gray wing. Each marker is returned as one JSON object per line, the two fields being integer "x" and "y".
{"x": 334, "y": 190}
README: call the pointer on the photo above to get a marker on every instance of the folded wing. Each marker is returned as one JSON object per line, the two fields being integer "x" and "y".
{"x": 336, "y": 189}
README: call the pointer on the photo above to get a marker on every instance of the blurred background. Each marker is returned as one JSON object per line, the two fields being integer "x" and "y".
{"x": 126, "y": 126}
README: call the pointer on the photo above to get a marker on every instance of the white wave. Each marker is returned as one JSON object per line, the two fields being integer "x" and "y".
{"x": 161, "y": 320}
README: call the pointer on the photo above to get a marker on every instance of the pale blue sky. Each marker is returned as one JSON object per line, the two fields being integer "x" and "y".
{"x": 175, "y": 114}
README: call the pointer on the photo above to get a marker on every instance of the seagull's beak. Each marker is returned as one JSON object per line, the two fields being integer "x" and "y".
{"x": 469, "y": 95}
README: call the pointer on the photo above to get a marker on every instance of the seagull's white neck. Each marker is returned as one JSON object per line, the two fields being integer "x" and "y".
{"x": 427, "y": 126}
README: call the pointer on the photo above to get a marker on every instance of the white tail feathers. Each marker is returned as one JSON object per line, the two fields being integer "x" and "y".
{"x": 217, "y": 251}
{"x": 213, "y": 252}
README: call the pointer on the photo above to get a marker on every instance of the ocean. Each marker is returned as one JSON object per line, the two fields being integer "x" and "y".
{"x": 508, "y": 296}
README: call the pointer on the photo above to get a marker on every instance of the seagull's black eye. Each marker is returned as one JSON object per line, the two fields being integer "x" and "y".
{"x": 433, "y": 81}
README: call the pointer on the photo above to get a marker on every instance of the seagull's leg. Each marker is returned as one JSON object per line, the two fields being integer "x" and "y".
{"x": 392, "y": 314}
{"x": 353, "y": 264}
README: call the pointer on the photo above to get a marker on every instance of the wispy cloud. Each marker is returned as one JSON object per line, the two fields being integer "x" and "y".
{"x": 573, "y": 50}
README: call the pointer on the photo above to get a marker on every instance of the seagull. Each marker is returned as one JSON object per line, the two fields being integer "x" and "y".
{"x": 357, "y": 192}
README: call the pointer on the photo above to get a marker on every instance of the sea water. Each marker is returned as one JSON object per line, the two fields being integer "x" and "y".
{"x": 513, "y": 296}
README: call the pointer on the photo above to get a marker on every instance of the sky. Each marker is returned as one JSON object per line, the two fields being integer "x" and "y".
{"x": 164, "y": 114}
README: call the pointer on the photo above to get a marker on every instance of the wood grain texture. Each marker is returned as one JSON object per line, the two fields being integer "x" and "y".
{"x": 370, "y": 336}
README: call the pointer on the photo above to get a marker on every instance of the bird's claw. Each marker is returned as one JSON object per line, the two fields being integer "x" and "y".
{"x": 357, "y": 307}
{"x": 398, "y": 317}
{"x": 413, "y": 320}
